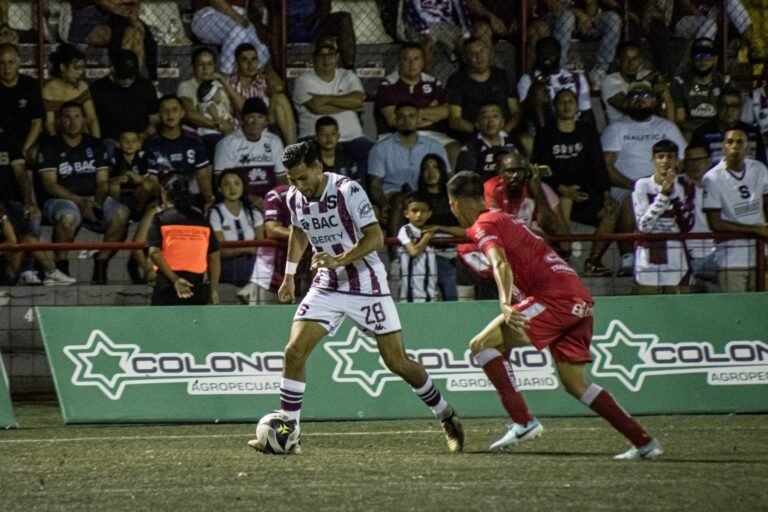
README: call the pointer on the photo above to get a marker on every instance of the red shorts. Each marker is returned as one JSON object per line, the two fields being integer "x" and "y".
{"x": 565, "y": 327}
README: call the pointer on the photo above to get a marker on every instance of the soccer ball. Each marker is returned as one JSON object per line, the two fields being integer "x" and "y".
{"x": 277, "y": 434}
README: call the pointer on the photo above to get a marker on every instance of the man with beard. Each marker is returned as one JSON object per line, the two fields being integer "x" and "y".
{"x": 695, "y": 93}
{"x": 395, "y": 162}
{"x": 538, "y": 89}
{"x": 712, "y": 133}
{"x": 627, "y": 144}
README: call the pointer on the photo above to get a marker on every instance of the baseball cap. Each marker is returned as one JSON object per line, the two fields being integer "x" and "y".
{"x": 126, "y": 64}
{"x": 254, "y": 106}
{"x": 641, "y": 85}
{"x": 326, "y": 43}
{"x": 703, "y": 45}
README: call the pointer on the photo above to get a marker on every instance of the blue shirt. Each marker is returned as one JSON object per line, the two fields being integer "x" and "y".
{"x": 397, "y": 165}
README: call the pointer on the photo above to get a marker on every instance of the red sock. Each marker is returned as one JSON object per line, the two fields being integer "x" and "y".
{"x": 499, "y": 372}
{"x": 604, "y": 405}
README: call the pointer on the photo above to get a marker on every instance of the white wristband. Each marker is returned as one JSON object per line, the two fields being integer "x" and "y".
{"x": 290, "y": 268}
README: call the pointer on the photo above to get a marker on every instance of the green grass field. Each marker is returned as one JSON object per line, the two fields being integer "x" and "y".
{"x": 711, "y": 463}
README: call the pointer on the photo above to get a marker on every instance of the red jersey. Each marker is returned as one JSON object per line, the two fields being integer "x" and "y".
{"x": 538, "y": 270}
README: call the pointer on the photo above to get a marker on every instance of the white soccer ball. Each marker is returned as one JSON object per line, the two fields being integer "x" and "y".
{"x": 278, "y": 434}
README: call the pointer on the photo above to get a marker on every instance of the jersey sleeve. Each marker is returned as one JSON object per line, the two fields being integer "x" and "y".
{"x": 712, "y": 199}
{"x": 358, "y": 204}
{"x": 277, "y": 150}
{"x": 215, "y": 218}
{"x": 611, "y": 138}
{"x": 272, "y": 205}
{"x": 351, "y": 83}
{"x": 486, "y": 236}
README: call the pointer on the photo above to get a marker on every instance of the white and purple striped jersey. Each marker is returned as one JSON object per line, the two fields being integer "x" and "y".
{"x": 333, "y": 224}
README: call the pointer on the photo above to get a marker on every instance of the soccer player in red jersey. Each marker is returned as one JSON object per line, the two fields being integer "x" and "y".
{"x": 544, "y": 303}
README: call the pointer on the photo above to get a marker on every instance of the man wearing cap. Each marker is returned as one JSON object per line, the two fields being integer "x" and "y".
{"x": 125, "y": 100}
{"x": 253, "y": 152}
{"x": 328, "y": 90}
{"x": 627, "y": 144}
{"x": 695, "y": 93}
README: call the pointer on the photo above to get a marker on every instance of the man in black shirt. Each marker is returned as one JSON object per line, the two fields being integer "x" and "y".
{"x": 74, "y": 173}
{"x": 21, "y": 103}
{"x": 333, "y": 158}
{"x": 124, "y": 100}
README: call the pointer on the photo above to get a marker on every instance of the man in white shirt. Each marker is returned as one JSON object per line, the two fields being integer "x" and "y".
{"x": 627, "y": 144}
{"x": 328, "y": 90}
{"x": 616, "y": 85}
{"x": 735, "y": 193}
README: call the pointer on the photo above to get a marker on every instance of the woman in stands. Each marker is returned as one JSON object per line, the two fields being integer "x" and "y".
{"x": 235, "y": 219}
{"x": 67, "y": 84}
{"x": 184, "y": 249}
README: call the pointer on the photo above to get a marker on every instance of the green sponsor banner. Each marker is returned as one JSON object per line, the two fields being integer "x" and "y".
{"x": 682, "y": 354}
{"x": 7, "y": 418}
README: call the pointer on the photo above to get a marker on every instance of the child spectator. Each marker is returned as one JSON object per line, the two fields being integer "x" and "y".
{"x": 212, "y": 105}
{"x": 235, "y": 219}
{"x": 418, "y": 263}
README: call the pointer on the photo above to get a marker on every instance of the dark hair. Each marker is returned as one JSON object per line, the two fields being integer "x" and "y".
{"x": 416, "y": 197}
{"x": 169, "y": 97}
{"x": 64, "y": 55}
{"x": 563, "y": 91}
{"x": 411, "y": 45}
{"x": 626, "y": 45}
{"x": 466, "y": 184}
{"x": 201, "y": 50}
{"x": 8, "y": 47}
{"x": 548, "y": 43}
{"x": 176, "y": 186}
{"x": 473, "y": 40}
{"x": 698, "y": 145}
{"x": 325, "y": 121}
{"x": 307, "y": 152}
{"x": 665, "y": 146}
{"x": 728, "y": 90}
{"x": 441, "y": 166}
{"x": 492, "y": 104}
{"x": 225, "y": 172}
{"x": 242, "y": 48}
{"x": 71, "y": 104}
{"x": 203, "y": 89}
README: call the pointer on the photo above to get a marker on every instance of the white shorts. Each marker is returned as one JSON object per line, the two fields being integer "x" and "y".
{"x": 376, "y": 315}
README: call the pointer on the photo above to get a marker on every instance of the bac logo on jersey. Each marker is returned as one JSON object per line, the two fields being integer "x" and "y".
{"x": 325, "y": 222}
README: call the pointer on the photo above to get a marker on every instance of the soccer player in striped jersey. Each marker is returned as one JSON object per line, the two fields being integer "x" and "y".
{"x": 543, "y": 303}
{"x": 334, "y": 214}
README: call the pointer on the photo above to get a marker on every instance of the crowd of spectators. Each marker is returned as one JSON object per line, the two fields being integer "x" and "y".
{"x": 77, "y": 154}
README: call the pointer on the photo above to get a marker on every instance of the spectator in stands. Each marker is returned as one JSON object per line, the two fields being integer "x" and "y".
{"x": 74, "y": 171}
{"x": 395, "y": 163}
{"x": 502, "y": 15}
{"x": 700, "y": 18}
{"x": 311, "y": 20}
{"x": 661, "y": 205}
{"x": 224, "y": 23}
{"x": 235, "y": 219}
{"x": 184, "y": 248}
{"x": 755, "y": 111}
{"x": 573, "y": 152}
{"x": 253, "y": 152}
{"x": 475, "y": 85}
{"x": 204, "y": 68}
{"x": 655, "y": 23}
{"x": 131, "y": 185}
{"x": 268, "y": 272}
{"x": 124, "y": 100}
{"x": 626, "y": 145}
{"x": 411, "y": 83}
{"x": 333, "y": 158}
{"x": 615, "y": 86}
{"x": 735, "y": 192}
{"x": 418, "y": 262}
{"x": 712, "y": 133}
{"x": 115, "y": 24}
{"x": 67, "y": 84}
{"x": 22, "y": 220}
{"x": 430, "y": 23}
{"x": 327, "y": 90}
{"x": 695, "y": 94}
{"x": 21, "y": 103}
{"x": 701, "y": 253}
{"x": 538, "y": 89}
{"x": 212, "y": 104}
{"x": 585, "y": 19}
{"x": 175, "y": 150}
{"x": 252, "y": 79}
{"x": 478, "y": 154}
{"x": 433, "y": 186}
{"x": 8, "y": 35}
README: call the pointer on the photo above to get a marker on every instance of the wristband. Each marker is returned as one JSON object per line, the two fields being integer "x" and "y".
{"x": 290, "y": 268}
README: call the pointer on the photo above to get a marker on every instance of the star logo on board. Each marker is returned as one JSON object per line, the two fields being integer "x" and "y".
{"x": 102, "y": 363}
{"x": 635, "y": 358}
{"x": 358, "y": 361}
